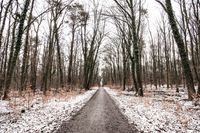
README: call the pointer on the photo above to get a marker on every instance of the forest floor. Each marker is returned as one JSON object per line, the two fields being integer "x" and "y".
{"x": 102, "y": 111}
{"x": 100, "y": 115}
{"x": 37, "y": 113}
{"x": 160, "y": 110}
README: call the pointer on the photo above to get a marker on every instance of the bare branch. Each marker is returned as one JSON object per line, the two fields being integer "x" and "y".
{"x": 163, "y": 6}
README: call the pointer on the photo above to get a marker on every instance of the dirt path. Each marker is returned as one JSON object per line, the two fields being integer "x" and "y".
{"x": 100, "y": 115}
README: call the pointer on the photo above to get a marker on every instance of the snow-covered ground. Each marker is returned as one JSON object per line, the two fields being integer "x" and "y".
{"x": 155, "y": 113}
{"x": 41, "y": 117}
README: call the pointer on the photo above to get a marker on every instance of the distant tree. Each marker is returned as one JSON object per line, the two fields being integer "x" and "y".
{"x": 91, "y": 44}
{"x": 128, "y": 10}
{"x": 34, "y": 62}
{"x": 75, "y": 15}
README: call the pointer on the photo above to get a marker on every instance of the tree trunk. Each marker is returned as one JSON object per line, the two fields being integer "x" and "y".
{"x": 34, "y": 60}
{"x": 69, "y": 79}
{"x": 24, "y": 70}
{"x": 134, "y": 76}
{"x": 182, "y": 50}
{"x": 4, "y": 21}
{"x": 59, "y": 59}
{"x": 17, "y": 48}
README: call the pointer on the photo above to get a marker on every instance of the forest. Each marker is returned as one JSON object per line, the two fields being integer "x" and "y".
{"x": 56, "y": 48}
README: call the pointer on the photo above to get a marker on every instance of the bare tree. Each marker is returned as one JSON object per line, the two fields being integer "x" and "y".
{"x": 91, "y": 47}
{"x": 17, "y": 48}
{"x": 24, "y": 70}
{"x": 181, "y": 47}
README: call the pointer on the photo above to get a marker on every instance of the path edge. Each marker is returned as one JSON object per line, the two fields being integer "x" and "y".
{"x": 76, "y": 113}
{"x": 132, "y": 125}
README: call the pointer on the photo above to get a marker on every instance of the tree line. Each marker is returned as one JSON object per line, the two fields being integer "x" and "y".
{"x": 56, "y": 48}
{"x": 173, "y": 55}
{"x": 60, "y": 46}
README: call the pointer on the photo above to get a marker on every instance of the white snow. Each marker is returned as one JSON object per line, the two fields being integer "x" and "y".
{"x": 4, "y": 107}
{"x": 158, "y": 114}
{"x": 42, "y": 117}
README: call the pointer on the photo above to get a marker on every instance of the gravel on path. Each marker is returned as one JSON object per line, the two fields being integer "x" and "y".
{"x": 99, "y": 115}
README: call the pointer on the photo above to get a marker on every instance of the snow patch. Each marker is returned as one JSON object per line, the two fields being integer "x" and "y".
{"x": 4, "y": 107}
{"x": 150, "y": 114}
{"x": 42, "y": 117}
